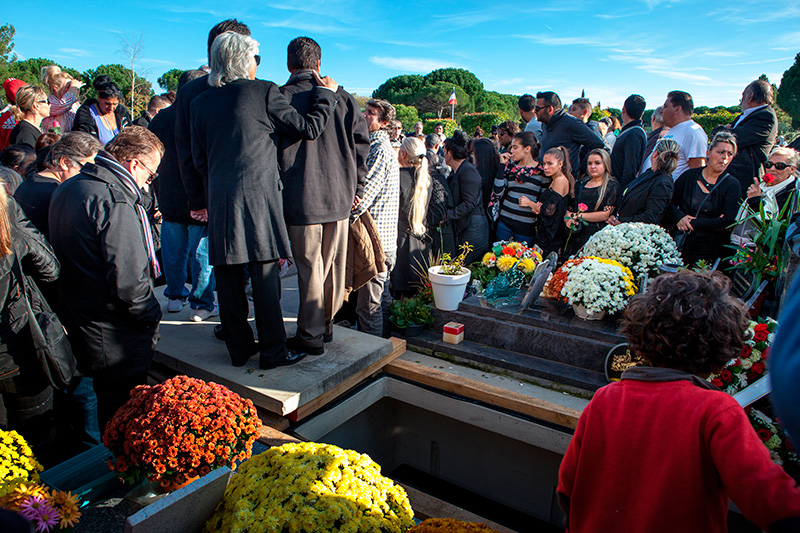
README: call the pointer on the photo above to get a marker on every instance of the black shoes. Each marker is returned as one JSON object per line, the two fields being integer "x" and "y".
{"x": 242, "y": 359}
{"x": 219, "y": 334}
{"x": 295, "y": 344}
{"x": 290, "y": 358}
{"x": 327, "y": 338}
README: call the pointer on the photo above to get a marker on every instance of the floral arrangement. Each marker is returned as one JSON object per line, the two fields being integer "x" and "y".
{"x": 180, "y": 429}
{"x": 17, "y": 463}
{"x": 451, "y": 266}
{"x": 768, "y": 178}
{"x": 449, "y": 525}
{"x": 774, "y": 438}
{"x": 47, "y": 509}
{"x": 640, "y": 247}
{"x": 751, "y": 363}
{"x": 504, "y": 256}
{"x": 315, "y": 487}
{"x": 552, "y": 289}
{"x": 599, "y": 284}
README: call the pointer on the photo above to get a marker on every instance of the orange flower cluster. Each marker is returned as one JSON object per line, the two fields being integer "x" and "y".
{"x": 180, "y": 429}
{"x": 449, "y": 525}
{"x": 552, "y": 288}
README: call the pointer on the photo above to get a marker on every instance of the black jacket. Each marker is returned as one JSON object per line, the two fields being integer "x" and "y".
{"x": 24, "y": 133}
{"x": 85, "y": 123}
{"x": 34, "y": 195}
{"x": 565, "y": 130}
{"x": 646, "y": 198}
{"x": 235, "y": 134}
{"x": 143, "y": 121}
{"x": 627, "y": 154}
{"x": 37, "y": 259}
{"x": 322, "y": 177}
{"x": 652, "y": 139}
{"x": 106, "y": 285}
{"x": 467, "y": 190}
{"x": 194, "y": 183}
{"x": 755, "y": 136}
{"x": 172, "y": 199}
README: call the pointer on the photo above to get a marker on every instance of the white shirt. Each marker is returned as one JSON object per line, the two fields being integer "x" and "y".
{"x": 691, "y": 139}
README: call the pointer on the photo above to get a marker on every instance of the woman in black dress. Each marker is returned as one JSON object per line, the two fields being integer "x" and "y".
{"x": 705, "y": 203}
{"x": 596, "y": 198}
{"x": 551, "y": 232}
{"x": 413, "y": 241}
{"x": 32, "y": 107}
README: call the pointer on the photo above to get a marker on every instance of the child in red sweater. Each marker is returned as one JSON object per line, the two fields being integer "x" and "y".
{"x": 663, "y": 450}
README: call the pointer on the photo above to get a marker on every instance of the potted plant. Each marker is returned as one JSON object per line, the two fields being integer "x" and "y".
{"x": 178, "y": 430}
{"x": 410, "y": 316}
{"x": 449, "y": 279}
{"x": 640, "y": 247}
{"x": 597, "y": 286}
{"x": 503, "y": 256}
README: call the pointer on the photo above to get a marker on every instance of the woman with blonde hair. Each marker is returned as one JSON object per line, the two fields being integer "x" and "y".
{"x": 31, "y": 108}
{"x": 413, "y": 240}
{"x": 596, "y": 197}
{"x": 551, "y": 233}
{"x": 63, "y": 98}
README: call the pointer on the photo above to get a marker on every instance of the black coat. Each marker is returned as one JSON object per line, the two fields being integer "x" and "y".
{"x": 627, "y": 154}
{"x": 652, "y": 139}
{"x": 235, "y": 138}
{"x": 565, "y": 130}
{"x": 755, "y": 136}
{"x": 322, "y": 177}
{"x": 24, "y": 133}
{"x": 467, "y": 190}
{"x": 646, "y": 198}
{"x": 37, "y": 259}
{"x": 172, "y": 199}
{"x": 194, "y": 183}
{"x": 34, "y": 195}
{"x": 106, "y": 285}
{"x": 85, "y": 123}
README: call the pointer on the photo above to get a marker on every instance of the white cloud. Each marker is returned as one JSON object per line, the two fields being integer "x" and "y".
{"x": 409, "y": 64}
{"x": 76, "y": 52}
{"x": 301, "y": 24}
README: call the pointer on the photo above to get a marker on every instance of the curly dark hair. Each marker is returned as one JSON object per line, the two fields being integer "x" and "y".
{"x": 687, "y": 321}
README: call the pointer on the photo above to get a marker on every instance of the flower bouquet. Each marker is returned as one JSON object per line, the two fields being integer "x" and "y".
{"x": 504, "y": 256}
{"x": 773, "y": 436}
{"x": 178, "y": 430}
{"x": 21, "y": 492}
{"x": 312, "y": 487}
{"x": 751, "y": 363}
{"x": 552, "y": 289}
{"x": 599, "y": 285}
{"x": 449, "y": 525}
{"x": 640, "y": 247}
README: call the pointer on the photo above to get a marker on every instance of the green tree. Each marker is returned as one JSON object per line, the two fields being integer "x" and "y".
{"x": 30, "y": 70}
{"x": 494, "y": 102}
{"x": 789, "y": 92}
{"x": 400, "y": 89}
{"x": 7, "y": 55}
{"x": 407, "y": 115}
{"x": 122, "y": 76}
{"x": 169, "y": 80}
{"x": 457, "y": 76}
{"x": 433, "y": 99}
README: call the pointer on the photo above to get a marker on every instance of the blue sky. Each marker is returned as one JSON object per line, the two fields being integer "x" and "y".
{"x": 610, "y": 49}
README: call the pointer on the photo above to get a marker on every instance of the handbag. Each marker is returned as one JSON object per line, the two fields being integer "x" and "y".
{"x": 680, "y": 236}
{"x": 50, "y": 342}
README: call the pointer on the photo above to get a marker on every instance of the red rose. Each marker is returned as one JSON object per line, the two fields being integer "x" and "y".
{"x": 764, "y": 434}
{"x": 747, "y": 351}
{"x": 789, "y": 445}
{"x": 765, "y": 354}
{"x": 760, "y": 336}
{"x": 716, "y": 382}
{"x": 758, "y": 367}
{"x": 726, "y": 375}
{"x": 768, "y": 178}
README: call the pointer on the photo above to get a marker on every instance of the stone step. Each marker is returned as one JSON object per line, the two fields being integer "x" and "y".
{"x": 529, "y": 365}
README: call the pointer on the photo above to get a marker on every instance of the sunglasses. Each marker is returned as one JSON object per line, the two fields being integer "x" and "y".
{"x": 778, "y": 166}
{"x": 537, "y": 108}
{"x": 258, "y": 59}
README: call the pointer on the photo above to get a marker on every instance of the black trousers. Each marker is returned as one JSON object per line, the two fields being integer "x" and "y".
{"x": 234, "y": 309}
{"x": 112, "y": 393}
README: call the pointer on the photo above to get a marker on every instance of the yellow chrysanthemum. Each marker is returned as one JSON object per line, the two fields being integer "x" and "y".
{"x": 488, "y": 258}
{"x": 17, "y": 462}
{"x": 526, "y": 265}
{"x": 505, "y": 262}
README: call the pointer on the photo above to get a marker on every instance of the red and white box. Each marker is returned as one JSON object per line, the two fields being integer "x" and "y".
{"x": 453, "y": 333}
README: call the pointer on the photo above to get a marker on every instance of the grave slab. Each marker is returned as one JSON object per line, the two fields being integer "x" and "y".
{"x": 190, "y": 348}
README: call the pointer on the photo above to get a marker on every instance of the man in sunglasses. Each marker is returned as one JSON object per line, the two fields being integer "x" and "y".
{"x": 755, "y": 129}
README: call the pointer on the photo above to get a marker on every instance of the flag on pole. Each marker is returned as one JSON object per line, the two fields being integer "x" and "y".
{"x": 453, "y": 100}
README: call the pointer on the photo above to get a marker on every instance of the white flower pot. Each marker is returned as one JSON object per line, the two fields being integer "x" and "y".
{"x": 448, "y": 290}
{"x": 582, "y": 313}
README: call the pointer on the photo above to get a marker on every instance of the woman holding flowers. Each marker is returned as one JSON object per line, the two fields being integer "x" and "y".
{"x": 778, "y": 183}
{"x": 596, "y": 198}
{"x": 705, "y": 202}
{"x": 551, "y": 233}
{"x": 616, "y": 477}
{"x": 517, "y": 187}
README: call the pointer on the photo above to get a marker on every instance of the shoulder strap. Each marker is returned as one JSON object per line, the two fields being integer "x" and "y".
{"x": 714, "y": 188}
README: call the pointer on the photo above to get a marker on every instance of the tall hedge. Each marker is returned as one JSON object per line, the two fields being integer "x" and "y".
{"x": 709, "y": 121}
{"x": 449, "y": 125}
{"x": 470, "y": 121}
{"x": 407, "y": 115}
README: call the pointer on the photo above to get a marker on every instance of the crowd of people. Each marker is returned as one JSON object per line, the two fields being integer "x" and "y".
{"x": 215, "y": 186}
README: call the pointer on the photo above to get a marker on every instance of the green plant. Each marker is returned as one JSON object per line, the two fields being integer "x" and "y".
{"x": 709, "y": 121}
{"x": 449, "y": 125}
{"x": 451, "y": 266}
{"x": 764, "y": 256}
{"x": 470, "y": 121}
{"x": 410, "y": 312}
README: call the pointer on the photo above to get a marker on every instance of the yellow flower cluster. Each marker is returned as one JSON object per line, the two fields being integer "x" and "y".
{"x": 527, "y": 265}
{"x": 17, "y": 462}
{"x": 310, "y": 487}
{"x": 630, "y": 286}
{"x": 449, "y": 525}
{"x": 505, "y": 262}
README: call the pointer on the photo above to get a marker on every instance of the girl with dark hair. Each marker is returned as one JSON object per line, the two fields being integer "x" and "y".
{"x": 468, "y": 216}
{"x": 103, "y": 117}
{"x": 597, "y": 194}
{"x": 551, "y": 232}
{"x": 517, "y": 187}
{"x": 484, "y": 153}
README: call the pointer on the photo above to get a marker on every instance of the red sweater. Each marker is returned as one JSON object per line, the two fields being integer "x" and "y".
{"x": 665, "y": 457}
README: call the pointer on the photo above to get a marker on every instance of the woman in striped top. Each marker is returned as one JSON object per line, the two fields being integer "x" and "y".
{"x": 518, "y": 185}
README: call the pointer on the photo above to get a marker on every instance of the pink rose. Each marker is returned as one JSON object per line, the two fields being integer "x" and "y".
{"x": 583, "y": 207}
